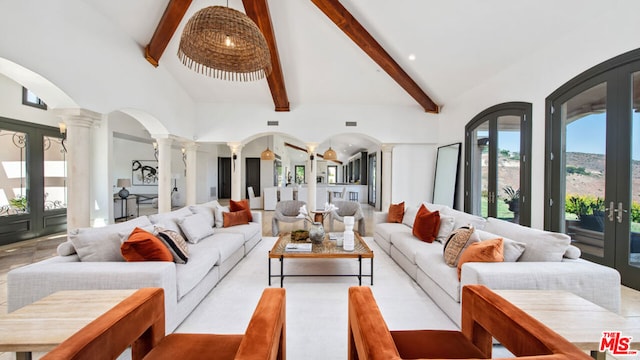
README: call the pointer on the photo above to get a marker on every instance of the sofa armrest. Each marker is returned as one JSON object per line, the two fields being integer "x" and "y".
{"x": 257, "y": 217}
{"x": 33, "y": 282}
{"x": 596, "y": 283}
{"x": 380, "y": 217}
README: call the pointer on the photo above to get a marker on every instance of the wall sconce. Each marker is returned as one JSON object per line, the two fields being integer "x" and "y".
{"x": 234, "y": 157}
{"x": 63, "y": 132}
{"x": 155, "y": 150}
{"x": 184, "y": 160}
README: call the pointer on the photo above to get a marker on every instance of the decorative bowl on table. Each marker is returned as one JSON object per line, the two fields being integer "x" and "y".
{"x": 299, "y": 235}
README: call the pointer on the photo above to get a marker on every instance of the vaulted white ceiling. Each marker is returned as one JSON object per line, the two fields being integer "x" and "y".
{"x": 456, "y": 44}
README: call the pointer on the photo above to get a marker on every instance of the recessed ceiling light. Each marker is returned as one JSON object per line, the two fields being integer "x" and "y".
{"x": 412, "y": 57}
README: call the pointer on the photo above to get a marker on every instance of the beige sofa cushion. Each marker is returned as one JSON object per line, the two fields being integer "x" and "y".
{"x": 539, "y": 245}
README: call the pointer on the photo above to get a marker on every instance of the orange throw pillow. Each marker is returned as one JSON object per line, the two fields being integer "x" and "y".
{"x": 240, "y": 206}
{"x": 234, "y": 218}
{"x": 483, "y": 251}
{"x": 396, "y": 212}
{"x": 426, "y": 224}
{"x": 143, "y": 246}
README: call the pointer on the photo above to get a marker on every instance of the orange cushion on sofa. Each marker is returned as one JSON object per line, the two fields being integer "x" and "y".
{"x": 426, "y": 224}
{"x": 234, "y": 218}
{"x": 144, "y": 246}
{"x": 483, "y": 251}
{"x": 240, "y": 206}
{"x": 396, "y": 212}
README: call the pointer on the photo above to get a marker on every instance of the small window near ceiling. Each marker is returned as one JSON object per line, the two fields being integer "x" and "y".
{"x": 31, "y": 99}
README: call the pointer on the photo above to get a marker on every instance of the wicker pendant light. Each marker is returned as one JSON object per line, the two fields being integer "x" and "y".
{"x": 226, "y": 44}
{"x": 330, "y": 154}
{"x": 267, "y": 154}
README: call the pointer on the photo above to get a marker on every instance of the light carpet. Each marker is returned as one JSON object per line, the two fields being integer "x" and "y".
{"x": 316, "y": 306}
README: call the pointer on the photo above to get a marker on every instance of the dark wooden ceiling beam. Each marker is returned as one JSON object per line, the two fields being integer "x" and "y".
{"x": 305, "y": 151}
{"x": 258, "y": 11}
{"x": 350, "y": 26}
{"x": 169, "y": 22}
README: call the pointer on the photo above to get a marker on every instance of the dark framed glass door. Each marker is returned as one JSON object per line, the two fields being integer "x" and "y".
{"x": 497, "y": 170}
{"x": 593, "y": 165}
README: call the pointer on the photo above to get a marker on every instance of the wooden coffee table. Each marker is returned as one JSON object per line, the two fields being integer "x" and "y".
{"x": 576, "y": 319}
{"x": 44, "y": 324}
{"x": 326, "y": 250}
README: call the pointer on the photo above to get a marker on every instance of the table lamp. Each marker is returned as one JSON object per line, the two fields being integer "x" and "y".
{"x": 124, "y": 183}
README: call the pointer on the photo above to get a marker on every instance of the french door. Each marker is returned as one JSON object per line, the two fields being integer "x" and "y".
{"x": 593, "y": 177}
{"x": 497, "y": 166}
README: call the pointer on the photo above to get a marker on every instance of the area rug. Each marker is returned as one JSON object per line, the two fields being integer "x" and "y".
{"x": 316, "y": 306}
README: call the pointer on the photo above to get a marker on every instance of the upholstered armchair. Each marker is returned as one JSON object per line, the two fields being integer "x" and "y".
{"x": 347, "y": 208}
{"x": 286, "y": 211}
{"x": 138, "y": 321}
{"x": 255, "y": 202}
{"x": 485, "y": 315}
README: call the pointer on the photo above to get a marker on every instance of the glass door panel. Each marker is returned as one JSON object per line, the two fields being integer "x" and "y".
{"x": 480, "y": 173}
{"x": 584, "y": 119}
{"x": 55, "y": 173}
{"x": 634, "y": 233}
{"x": 508, "y": 179}
{"x": 13, "y": 173}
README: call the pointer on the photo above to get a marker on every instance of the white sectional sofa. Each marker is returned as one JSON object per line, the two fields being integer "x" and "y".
{"x": 548, "y": 262}
{"x": 91, "y": 259}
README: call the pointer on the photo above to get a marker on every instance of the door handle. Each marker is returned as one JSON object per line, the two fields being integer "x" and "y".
{"x": 611, "y": 211}
{"x": 620, "y": 210}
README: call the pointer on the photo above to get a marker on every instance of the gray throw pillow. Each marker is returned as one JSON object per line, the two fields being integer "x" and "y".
{"x": 195, "y": 228}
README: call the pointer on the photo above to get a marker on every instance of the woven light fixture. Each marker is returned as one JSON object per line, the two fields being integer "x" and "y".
{"x": 224, "y": 43}
{"x": 330, "y": 154}
{"x": 267, "y": 154}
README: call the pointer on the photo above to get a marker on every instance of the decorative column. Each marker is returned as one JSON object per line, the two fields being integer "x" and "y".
{"x": 164, "y": 172}
{"x": 190, "y": 156}
{"x": 311, "y": 177}
{"x": 78, "y": 123}
{"x": 236, "y": 170}
{"x": 385, "y": 196}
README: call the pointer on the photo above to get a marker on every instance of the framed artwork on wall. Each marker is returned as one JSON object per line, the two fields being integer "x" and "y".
{"x": 144, "y": 172}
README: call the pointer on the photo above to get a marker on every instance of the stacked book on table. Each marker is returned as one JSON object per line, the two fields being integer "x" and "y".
{"x": 294, "y": 247}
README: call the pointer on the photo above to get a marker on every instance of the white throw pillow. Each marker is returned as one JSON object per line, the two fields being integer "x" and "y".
{"x": 512, "y": 249}
{"x": 206, "y": 211}
{"x": 66, "y": 248}
{"x": 447, "y": 224}
{"x": 170, "y": 219}
{"x": 540, "y": 245}
{"x": 103, "y": 243}
{"x": 196, "y": 227}
{"x": 409, "y": 217}
{"x": 464, "y": 219}
{"x": 219, "y": 219}
{"x": 572, "y": 252}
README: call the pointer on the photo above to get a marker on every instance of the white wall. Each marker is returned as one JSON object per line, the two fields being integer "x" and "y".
{"x": 413, "y": 170}
{"x": 11, "y": 105}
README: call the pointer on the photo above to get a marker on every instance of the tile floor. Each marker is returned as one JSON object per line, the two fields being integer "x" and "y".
{"x": 30, "y": 251}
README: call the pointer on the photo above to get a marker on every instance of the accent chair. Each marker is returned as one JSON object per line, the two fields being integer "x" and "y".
{"x": 347, "y": 208}
{"x": 286, "y": 211}
{"x": 138, "y": 321}
{"x": 485, "y": 316}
